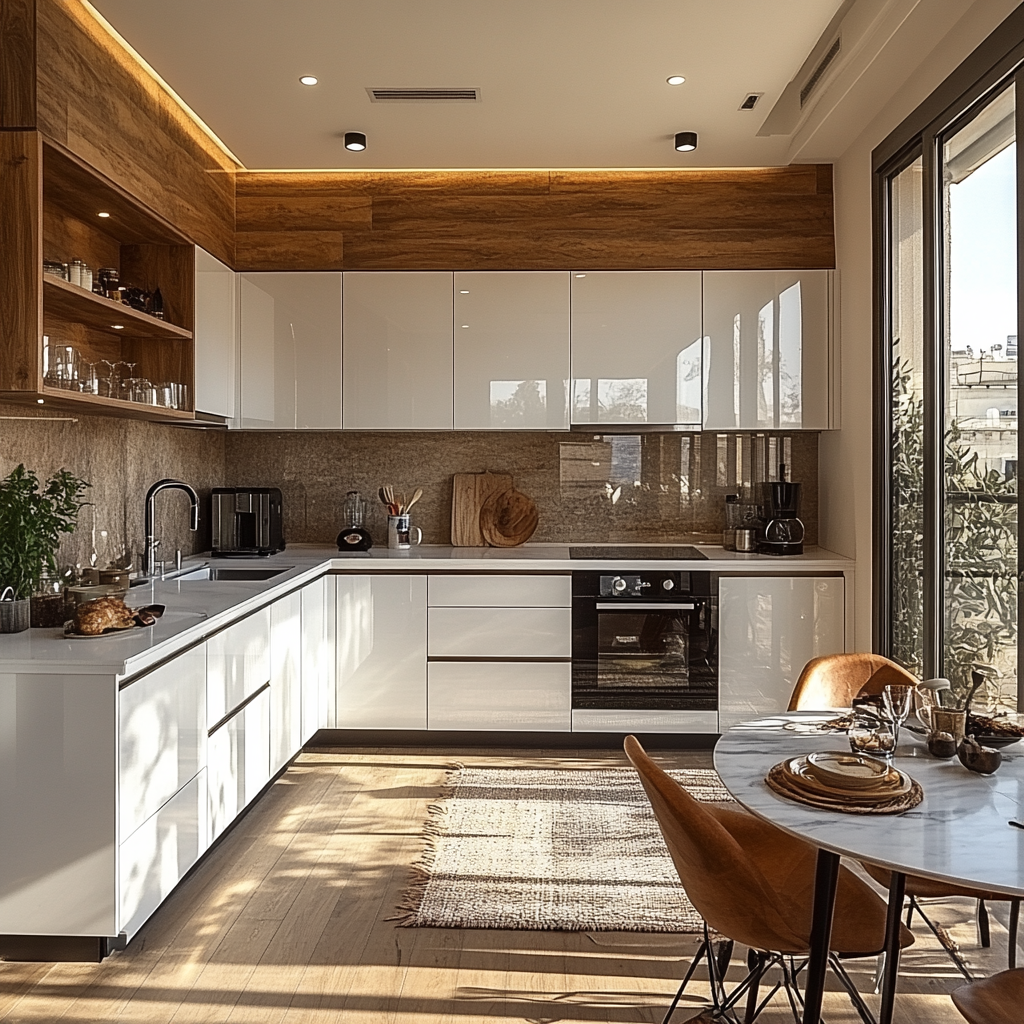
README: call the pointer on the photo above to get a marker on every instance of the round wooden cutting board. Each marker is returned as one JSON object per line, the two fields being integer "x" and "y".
{"x": 508, "y": 519}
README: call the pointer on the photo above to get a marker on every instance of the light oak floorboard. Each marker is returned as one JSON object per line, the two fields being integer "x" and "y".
{"x": 287, "y": 922}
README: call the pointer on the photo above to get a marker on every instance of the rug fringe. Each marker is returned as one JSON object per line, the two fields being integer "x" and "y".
{"x": 433, "y": 829}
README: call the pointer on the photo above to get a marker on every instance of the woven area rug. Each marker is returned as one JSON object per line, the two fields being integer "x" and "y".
{"x": 550, "y": 850}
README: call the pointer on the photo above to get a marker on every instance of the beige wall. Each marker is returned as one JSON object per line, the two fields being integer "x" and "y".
{"x": 844, "y": 482}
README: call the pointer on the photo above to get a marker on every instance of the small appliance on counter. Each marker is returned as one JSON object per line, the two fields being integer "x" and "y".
{"x": 783, "y": 532}
{"x": 354, "y": 537}
{"x": 246, "y": 521}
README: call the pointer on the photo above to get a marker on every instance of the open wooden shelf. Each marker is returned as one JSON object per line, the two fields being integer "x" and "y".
{"x": 74, "y": 400}
{"x": 97, "y": 312}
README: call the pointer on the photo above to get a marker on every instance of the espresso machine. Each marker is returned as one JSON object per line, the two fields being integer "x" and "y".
{"x": 783, "y": 532}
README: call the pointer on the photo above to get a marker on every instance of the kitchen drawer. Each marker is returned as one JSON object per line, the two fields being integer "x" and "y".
{"x": 521, "y": 696}
{"x": 238, "y": 762}
{"x": 238, "y": 664}
{"x": 499, "y": 632}
{"x": 158, "y": 854}
{"x": 500, "y": 591}
{"x": 599, "y": 720}
{"x": 161, "y": 736}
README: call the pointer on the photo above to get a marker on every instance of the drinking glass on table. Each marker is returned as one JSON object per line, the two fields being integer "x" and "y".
{"x": 898, "y": 701}
{"x": 872, "y": 736}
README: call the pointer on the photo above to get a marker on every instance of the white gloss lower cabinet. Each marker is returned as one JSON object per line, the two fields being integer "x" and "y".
{"x": 237, "y": 664}
{"x": 500, "y": 633}
{"x": 636, "y": 347}
{"x": 769, "y": 349}
{"x": 511, "y": 350}
{"x": 285, "y": 680}
{"x": 397, "y": 344}
{"x": 216, "y": 336}
{"x": 290, "y": 351}
{"x": 318, "y": 656}
{"x": 238, "y": 761}
{"x": 382, "y": 652}
{"x": 526, "y": 696}
{"x": 506, "y": 591}
{"x": 769, "y": 628}
{"x": 158, "y": 854}
{"x": 161, "y": 736}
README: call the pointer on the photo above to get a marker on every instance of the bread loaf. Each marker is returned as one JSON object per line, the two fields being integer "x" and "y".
{"x": 94, "y": 617}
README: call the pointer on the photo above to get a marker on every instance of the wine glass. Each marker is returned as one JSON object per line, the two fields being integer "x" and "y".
{"x": 898, "y": 700}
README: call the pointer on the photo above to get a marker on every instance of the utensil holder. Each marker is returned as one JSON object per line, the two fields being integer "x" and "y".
{"x": 401, "y": 535}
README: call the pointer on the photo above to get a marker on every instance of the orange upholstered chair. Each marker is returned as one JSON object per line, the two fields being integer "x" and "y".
{"x": 995, "y": 1000}
{"x": 834, "y": 680}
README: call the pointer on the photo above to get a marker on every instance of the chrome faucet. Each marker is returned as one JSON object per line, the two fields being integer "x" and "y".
{"x": 149, "y": 552}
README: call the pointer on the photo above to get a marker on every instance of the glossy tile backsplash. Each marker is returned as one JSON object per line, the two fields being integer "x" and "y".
{"x": 588, "y": 487}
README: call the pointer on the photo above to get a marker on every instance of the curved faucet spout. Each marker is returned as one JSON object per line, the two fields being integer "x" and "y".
{"x": 149, "y": 551}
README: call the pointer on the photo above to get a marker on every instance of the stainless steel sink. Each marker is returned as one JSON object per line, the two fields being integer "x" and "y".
{"x": 233, "y": 572}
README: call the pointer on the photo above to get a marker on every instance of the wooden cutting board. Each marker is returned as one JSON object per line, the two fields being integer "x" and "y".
{"x": 469, "y": 492}
{"x": 508, "y": 519}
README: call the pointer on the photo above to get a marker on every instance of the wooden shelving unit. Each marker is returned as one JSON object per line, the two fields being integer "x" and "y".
{"x": 50, "y": 202}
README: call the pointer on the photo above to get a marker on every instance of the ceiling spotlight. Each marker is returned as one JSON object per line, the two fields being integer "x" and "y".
{"x": 308, "y": 80}
{"x": 581, "y": 275}
{"x": 103, "y": 215}
{"x": 118, "y": 327}
{"x": 686, "y": 142}
{"x": 675, "y": 80}
{"x": 356, "y": 141}
{"x": 40, "y": 401}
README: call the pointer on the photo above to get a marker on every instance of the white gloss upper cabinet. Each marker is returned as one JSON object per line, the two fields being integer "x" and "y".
{"x": 769, "y": 628}
{"x": 216, "y": 336}
{"x": 382, "y": 651}
{"x": 636, "y": 347}
{"x": 511, "y": 350}
{"x": 398, "y": 351}
{"x": 290, "y": 352}
{"x": 769, "y": 351}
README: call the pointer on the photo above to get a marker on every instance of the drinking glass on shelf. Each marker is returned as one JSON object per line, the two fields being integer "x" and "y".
{"x": 898, "y": 701}
{"x": 108, "y": 384}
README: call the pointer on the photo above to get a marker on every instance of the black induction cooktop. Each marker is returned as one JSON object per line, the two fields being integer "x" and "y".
{"x": 637, "y": 552}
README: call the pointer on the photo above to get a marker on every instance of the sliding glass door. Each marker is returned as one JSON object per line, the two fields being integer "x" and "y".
{"x": 946, "y": 565}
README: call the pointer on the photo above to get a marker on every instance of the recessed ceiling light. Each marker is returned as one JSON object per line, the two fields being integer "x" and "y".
{"x": 308, "y": 80}
{"x": 40, "y": 401}
{"x": 675, "y": 80}
{"x": 581, "y": 275}
{"x": 686, "y": 142}
{"x": 355, "y": 141}
{"x": 118, "y": 327}
{"x": 103, "y": 215}
{"x": 465, "y": 325}
{"x": 464, "y": 291}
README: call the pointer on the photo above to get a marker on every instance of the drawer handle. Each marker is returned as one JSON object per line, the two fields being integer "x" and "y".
{"x": 661, "y": 606}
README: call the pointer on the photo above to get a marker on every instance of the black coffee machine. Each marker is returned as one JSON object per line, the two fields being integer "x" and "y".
{"x": 783, "y": 533}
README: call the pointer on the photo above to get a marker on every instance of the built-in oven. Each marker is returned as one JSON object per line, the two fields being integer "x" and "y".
{"x": 645, "y": 640}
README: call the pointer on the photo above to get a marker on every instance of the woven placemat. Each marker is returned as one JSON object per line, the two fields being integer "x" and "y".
{"x": 776, "y": 780}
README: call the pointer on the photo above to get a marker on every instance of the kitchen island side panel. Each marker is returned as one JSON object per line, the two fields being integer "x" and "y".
{"x": 58, "y": 804}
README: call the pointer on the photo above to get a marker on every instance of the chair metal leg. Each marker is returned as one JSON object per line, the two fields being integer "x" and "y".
{"x": 984, "y": 934}
{"x": 1014, "y": 927}
{"x": 851, "y": 990}
{"x": 755, "y": 965}
{"x": 946, "y": 942}
{"x": 689, "y": 974}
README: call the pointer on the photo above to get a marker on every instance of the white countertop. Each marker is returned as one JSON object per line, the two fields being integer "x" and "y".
{"x": 195, "y": 609}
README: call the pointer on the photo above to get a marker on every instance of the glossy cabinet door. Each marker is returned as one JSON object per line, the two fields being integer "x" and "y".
{"x": 500, "y": 632}
{"x": 237, "y": 664}
{"x": 636, "y": 347}
{"x": 161, "y": 736}
{"x": 769, "y": 628}
{"x": 511, "y": 350}
{"x": 505, "y": 591}
{"x": 769, "y": 349}
{"x": 285, "y": 680}
{"x": 290, "y": 352}
{"x": 318, "y": 656}
{"x": 382, "y": 652}
{"x": 397, "y": 344}
{"x": 216, "y": 336}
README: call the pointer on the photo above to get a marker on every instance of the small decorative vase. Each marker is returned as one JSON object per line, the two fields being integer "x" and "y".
{"x": 976, "y": 758}
{"x": 15, "y": 616}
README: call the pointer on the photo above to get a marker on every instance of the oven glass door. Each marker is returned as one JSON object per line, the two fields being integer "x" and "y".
{"x": 657, "y": 655}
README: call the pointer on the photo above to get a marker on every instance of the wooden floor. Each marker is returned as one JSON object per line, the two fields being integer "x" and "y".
{"x": 286, "y": 921}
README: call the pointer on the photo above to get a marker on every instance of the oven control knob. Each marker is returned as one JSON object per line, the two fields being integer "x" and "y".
{"x": 667, "y": 585}
{"x": 618, "y": 584}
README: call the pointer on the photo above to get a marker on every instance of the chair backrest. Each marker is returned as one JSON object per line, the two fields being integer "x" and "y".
{"x": 834, "y": 680}
{"x": 728, "y": 889}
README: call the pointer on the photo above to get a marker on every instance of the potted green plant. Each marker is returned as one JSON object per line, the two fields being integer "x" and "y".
{"x": 33, "y": 518}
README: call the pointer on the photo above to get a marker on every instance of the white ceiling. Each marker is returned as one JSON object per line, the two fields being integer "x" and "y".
{"x": 564, "y": 83}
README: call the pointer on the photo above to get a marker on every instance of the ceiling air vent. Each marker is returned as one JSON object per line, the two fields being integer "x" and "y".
{"x": 750, "y": 100}
{"x": 424, "y": 95}
{"x": 823, "y": 65}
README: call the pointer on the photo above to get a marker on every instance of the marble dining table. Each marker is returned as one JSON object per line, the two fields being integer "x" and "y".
{"x": 959, "y": 833}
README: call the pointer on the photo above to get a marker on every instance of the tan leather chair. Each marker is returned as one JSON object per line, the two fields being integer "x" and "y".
{"x": 995, "y": 1000}
{"x": 752, "y": 882}
{"x": 834, "y": 680}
